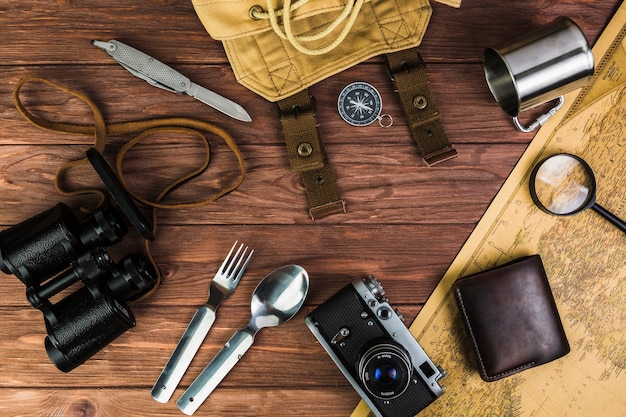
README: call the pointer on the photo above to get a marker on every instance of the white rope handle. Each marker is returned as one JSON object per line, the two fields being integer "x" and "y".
{"x": 350, "y": 12}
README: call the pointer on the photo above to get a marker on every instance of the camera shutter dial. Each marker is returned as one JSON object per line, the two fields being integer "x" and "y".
{"x": 384, "y": 313}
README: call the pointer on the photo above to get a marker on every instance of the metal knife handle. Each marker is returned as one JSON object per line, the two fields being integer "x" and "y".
{"x": 148, "y": 66}
{"x": 216, "y": 371}
{"x": 183, "y": 354}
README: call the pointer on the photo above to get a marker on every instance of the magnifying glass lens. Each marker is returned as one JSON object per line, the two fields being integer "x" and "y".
{"x": 563, "y": 184}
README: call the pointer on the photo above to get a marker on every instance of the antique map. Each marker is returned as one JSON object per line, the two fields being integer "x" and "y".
{"x": 584, "y": 256}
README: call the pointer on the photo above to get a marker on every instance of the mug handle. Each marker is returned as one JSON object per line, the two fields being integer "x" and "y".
{"x": 541, "y": 119}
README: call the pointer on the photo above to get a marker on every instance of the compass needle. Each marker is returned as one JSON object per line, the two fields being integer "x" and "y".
{"x": 360, "y": 104}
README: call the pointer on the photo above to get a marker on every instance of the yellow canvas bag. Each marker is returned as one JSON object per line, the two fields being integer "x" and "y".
{"x": 278, "y": 48}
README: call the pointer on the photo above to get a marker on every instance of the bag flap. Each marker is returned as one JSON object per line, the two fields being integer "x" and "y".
{"x": 229, "y": 19}
{"x": 272, "y": 68}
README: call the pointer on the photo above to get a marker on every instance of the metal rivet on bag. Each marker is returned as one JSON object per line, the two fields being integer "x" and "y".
{"x": 255, "y": 11}
{"x": 319, "y": 179}
{"x": 429, "y": 133}
{"x": 420, "y": 102}
{"x": 305, "y": 149}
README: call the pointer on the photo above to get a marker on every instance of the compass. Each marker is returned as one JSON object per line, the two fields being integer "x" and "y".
{"x": 360, "y": 104}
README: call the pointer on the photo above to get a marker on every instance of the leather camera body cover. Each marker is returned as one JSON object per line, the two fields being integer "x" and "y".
{"x": 511, "y": 318}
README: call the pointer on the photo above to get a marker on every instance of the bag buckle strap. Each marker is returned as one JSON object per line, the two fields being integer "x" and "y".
{"x": 407, "y": 71}
{"x": 304, "y": 146}
{"x": 307, "y": 155}
{"x": 401, "y": 65}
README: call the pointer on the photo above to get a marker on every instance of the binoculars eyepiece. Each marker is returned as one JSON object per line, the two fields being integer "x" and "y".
{"x": 54, "y": 250}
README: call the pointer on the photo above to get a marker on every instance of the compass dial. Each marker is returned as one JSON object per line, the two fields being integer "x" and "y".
{"x": 359, "y": 104}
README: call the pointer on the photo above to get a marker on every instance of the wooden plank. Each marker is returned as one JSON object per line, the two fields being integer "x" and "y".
{"x": 469, "y": 113}
{"x": 115, "y": 402}
{"x": 172, "y": 32}
{"x": 385, "y": 186}
{"x": 407, "y": 259}
{"x": 405, "y": 222}
{"x": 136, "y": 358}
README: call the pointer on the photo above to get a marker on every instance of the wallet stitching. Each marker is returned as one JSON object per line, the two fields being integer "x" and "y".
{"x": 477, "y": 351}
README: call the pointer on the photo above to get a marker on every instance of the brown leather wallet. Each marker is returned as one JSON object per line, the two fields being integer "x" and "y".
{"x": 511, "y": 318}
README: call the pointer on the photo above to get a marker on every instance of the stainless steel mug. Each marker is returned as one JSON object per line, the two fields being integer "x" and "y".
{"x": 538, "y": 68}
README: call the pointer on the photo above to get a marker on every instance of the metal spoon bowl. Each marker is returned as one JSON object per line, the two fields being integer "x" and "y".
{"x": 277, "y": 298}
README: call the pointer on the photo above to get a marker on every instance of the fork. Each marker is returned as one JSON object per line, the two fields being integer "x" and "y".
{"x": 221, "y": 288}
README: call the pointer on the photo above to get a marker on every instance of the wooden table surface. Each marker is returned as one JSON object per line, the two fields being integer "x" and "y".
{"x": 405, "y": 222}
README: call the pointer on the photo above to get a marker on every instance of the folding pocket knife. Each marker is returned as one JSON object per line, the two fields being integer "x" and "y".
{"x": 163, "y": 76}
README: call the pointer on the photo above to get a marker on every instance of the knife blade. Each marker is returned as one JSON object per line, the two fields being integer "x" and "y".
{"x": 163, "y": 76}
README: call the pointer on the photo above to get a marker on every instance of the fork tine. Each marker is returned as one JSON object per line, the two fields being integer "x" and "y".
{"x": 232, "y": 267}
{"x": 245, "y": 264}
{"x": 228, "y": 260}
{"x": 231, "y": 264}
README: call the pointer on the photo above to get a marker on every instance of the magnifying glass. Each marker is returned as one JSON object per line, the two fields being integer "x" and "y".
{"x": 564, "y": 184}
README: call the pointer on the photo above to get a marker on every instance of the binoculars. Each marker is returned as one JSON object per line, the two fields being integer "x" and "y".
{"x": 54, "y": 250}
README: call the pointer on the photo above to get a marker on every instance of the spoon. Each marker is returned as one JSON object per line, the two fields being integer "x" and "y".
{"x": 277, "y": 298}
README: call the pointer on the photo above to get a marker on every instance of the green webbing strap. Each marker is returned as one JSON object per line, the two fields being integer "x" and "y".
{"x": 307, "y": 155}
{"x": 145, "y": 128}
{"x": 306, "y": 149}
{"x": 408, "y": 73}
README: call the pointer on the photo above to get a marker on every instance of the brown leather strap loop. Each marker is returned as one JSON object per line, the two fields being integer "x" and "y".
{"x": 307, "y": 155}
{"x": 408, "y": 73}
{"x": 144, "y": 128}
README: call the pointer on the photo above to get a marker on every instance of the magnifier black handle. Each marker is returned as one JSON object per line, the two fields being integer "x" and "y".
{"x": 621, "y": 224}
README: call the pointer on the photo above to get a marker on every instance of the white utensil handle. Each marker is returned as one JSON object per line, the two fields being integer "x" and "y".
{"x": 216, "y": 371}
{"x": 183, "y": 354}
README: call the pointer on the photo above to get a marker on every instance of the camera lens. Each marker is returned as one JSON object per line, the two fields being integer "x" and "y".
{"x": 385, "y": 370}
{"x": 385, "y": 374}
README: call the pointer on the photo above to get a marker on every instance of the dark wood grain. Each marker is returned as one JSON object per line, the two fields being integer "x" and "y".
{"x": 405, "y": 222}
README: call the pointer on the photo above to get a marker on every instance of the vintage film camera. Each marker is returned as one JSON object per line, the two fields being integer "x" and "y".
{"x": 52, "y": 251}
{"x": 375, "y": 351}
